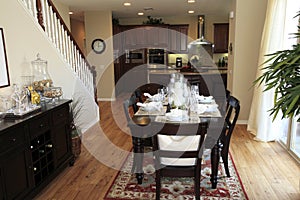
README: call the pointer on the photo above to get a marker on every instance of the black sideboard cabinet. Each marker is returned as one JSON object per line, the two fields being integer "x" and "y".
{"x": 33, "y": 150}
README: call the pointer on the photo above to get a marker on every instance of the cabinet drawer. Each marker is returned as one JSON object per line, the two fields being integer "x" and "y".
{"x": 60, "y": 115}
{"x": 39, "y": 125}
{"x": 12, "y": 138}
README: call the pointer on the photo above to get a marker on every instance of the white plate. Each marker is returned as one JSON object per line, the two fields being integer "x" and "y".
{"x": 177, "y": 115}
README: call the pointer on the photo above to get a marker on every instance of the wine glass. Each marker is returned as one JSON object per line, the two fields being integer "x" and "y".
{"x": 161, "y": 94}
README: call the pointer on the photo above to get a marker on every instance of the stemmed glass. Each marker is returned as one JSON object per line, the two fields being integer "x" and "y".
{"x": 195, "y": 89}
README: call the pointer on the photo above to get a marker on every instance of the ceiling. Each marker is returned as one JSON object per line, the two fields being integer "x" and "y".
{"x": 160, "y": 8}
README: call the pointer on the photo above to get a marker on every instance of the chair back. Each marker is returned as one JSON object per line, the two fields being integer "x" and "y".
{"x": 179, "y": 145}
{"x": 232, "y": 114}
{"x": 178, "y": 151}
{"x": 130, "y": 105}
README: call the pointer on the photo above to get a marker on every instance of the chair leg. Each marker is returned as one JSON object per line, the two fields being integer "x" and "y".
{"x": 197, "y": 183}
{"x": 225, "y": 161}
{"x": 158, "y": 185}
{"x": 215, "y": 157}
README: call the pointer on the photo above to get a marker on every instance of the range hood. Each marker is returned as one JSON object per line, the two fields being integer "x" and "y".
{"x": 200, "y": 51}
{"x": 201, "y": 39}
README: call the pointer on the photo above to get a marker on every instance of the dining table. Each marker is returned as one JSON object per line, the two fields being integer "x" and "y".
{"x": 142, "y": 128}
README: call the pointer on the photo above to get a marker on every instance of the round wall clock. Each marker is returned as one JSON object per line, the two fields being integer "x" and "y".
{"x": 98, "y": 45}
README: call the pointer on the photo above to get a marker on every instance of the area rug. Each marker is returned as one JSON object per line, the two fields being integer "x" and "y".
{"x": 125, "y": 186}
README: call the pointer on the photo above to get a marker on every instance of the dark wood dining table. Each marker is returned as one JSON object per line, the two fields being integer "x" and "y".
{"x": 142, "y": 129}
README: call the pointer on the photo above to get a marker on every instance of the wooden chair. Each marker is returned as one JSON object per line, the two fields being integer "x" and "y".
{"x": 222, "y": 145}
{"x": 136, "y": 125}
{"x": 178, "y": 152}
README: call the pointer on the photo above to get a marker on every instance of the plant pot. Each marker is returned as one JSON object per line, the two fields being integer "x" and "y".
{"x": 76, "y": 146}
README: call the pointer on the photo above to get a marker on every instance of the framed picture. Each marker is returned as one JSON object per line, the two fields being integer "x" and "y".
{"x": 4, "y": 77}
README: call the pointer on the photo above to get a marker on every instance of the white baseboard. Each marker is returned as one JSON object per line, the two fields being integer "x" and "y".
{"x": 242, "y": 122}
{"x": 106, "y": 99}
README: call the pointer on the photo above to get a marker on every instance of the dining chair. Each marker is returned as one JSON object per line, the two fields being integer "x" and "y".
{"x": 177, "y": 150}
{"x": 222, "y": 145}
{"x": 140, "y": 129}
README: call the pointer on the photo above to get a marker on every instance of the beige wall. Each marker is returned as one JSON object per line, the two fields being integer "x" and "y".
{"x": 247, "y": 44}
{"x": 98, "y": 24}
{"x": 21, "y": 49}
{"x": 63, "y": 11}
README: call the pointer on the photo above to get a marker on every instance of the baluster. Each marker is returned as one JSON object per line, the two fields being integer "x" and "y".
{"x": 39, "y": 13}
{"x": 48, "y": 25}
{"x": 56, "y": 30}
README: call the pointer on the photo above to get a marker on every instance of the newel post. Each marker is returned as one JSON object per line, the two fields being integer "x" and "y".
{"x": 39, "y": 13}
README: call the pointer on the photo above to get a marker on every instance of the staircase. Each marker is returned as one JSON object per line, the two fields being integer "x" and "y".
{"x": 45, "y": 15}
{"x": 48, "y": 17}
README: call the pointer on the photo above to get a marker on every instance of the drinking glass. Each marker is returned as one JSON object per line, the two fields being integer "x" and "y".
{"x": 195, "y": 89}
{"x": 161, "y": 94}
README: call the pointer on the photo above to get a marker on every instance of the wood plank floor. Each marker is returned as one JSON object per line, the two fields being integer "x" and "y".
{"x": 266, "y": 170}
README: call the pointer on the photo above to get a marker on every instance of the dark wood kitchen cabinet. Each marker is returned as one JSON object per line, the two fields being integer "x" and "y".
{"x": 34, "y": 150}
{"x": 221, "y": 37}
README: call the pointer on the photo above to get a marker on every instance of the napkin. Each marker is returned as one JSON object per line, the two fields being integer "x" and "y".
{"x": 156, "y": 97}
{"x": 151, "y": 106}
{"x": 205, "y": 99}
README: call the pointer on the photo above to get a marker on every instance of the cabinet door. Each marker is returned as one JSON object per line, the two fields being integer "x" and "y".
{"x": 16, "y": 173}
{"x": 1, "y": 185}
{"x": 221, "y": 36}
{"x": 61, "y": 134}
{"x": 178, "y": 38}
{"x": 156, "y": 36}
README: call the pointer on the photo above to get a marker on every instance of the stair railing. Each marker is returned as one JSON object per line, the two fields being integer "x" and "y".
{"x": 45, "y": 13}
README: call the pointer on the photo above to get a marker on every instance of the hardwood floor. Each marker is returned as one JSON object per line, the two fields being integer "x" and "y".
{"x": 266, "y": 170}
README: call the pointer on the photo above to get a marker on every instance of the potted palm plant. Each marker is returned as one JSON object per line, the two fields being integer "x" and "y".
{"x": 282, "y": 72}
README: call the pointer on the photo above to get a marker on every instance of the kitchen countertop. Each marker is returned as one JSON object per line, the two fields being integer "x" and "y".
{"x": 201, "y": 71}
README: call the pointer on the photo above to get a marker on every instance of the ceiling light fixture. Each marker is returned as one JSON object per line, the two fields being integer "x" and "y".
{"x": 191, "y": 1}
{"x": 191, "y": 11}
{"x": 140, "y": 13}
{"x": 71, "y": 13}
{"x": 127, "y": 4}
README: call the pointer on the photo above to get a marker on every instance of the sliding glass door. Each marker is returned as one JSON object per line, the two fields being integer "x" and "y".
{"x": 291, "y": 137}
{"x": 295, "y": 138}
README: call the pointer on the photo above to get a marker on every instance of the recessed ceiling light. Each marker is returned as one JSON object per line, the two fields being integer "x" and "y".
{"x": 191, "y": 1}
{"x": 140, "y": 13}
{"x": 191, "y": 11}
{"x": 127, "y": 4}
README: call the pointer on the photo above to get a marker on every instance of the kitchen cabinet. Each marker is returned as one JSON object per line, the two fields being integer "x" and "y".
{"x": 34, "y": 150}
{"x": 144, "y": 36}
{"x": 178, "y": 38}
{"x": 221, "y": 37}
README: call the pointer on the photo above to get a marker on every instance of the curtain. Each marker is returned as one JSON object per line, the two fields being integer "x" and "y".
{"x": 260, "y": 122}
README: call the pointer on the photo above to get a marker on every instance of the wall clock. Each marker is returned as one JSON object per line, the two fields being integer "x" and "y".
{"x": 98, "y": 46}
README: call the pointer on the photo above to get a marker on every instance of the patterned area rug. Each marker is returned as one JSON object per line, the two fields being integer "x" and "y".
{"x": 125, "y": 186}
